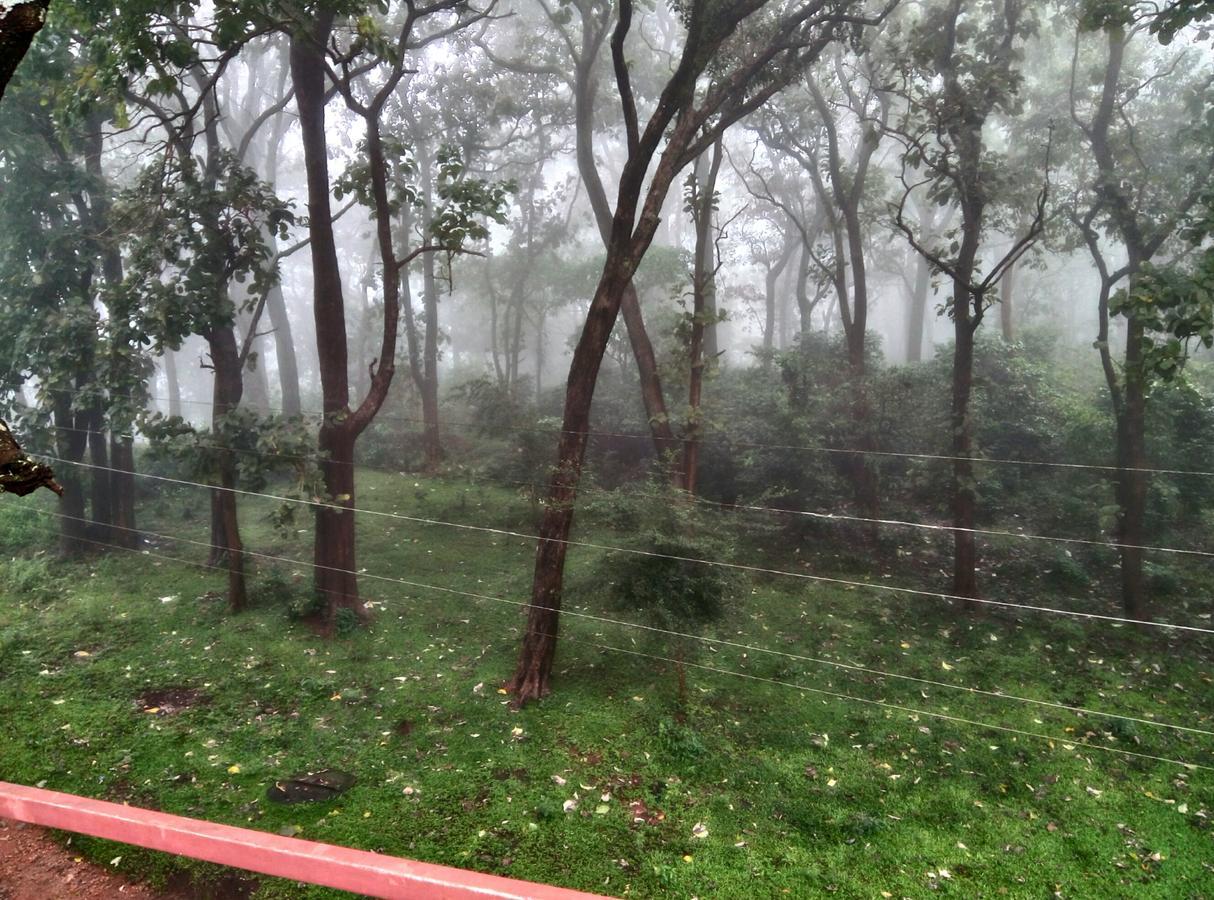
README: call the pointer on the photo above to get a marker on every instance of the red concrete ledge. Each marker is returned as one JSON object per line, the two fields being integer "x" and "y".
{"x": 372, "y": 874}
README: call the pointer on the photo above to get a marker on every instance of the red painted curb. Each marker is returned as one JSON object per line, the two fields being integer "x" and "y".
{"x": 372, "y": 874}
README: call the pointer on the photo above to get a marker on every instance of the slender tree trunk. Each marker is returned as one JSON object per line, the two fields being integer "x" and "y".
{"x": 226, "y": 395}
{"x": 805, "y": 306}
{"x": 102, "y": 487}
{"x": 71, "y": 441}
{"x": 651, "y": 383}
{"x": 334, "y": 549}
{"x": 1007, "y": 293}
{"x": 172, "y": 382}
{"x": 1132, "y": 480}
{"x": 965, "y": 554}
{"x": 276, "y": 306}
{"x": 918, "y": 312}
{"x": 432, "y": 443}
{"x": 534, "y": 669}
{"x": 540, "y": 320}
{"x": 703, "y": 288}
{"x": 284, "y": 352}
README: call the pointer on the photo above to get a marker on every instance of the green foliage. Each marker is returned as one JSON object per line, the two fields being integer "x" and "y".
{"x": 463, "y": 202}
{"x": 401, "y": 177}
{"x": 263, "y": 447}
{"x": 663, "y": 585}
{"x": 192, "y": 235}
{"x": 1176, "y": 310}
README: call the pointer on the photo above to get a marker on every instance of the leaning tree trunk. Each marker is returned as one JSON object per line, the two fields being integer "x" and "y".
{"x": 1007, "y": 296}
{"x": 531, "y": 676}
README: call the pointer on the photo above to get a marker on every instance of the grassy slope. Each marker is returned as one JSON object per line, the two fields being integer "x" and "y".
{"x": 801, "y": 794}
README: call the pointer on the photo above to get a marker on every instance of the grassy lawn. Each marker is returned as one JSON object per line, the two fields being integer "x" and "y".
{"x": 762, "y": 786}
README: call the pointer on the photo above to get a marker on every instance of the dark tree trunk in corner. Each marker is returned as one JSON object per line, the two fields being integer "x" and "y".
{"x": 19, "y": 22}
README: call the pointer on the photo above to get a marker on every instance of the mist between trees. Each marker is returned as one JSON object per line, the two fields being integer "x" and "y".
{"x": 259, "y": 243}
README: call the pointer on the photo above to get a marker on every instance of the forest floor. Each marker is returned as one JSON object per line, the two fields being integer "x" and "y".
{"x": 802, "y": 772}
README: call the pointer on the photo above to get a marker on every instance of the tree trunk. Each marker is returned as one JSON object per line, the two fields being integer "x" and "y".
{"x": 102, "y": 488}
{"x": 703, "y": 289}
{"x": 1132, "y": 481}
{"x": 534, "y": 669}
{"x": 584, "y": 89}
{"x": 71, "y": 440}
{"x": 172, "y": 382}
{"x": 918, "y": 311}
{"x": 1007, "y": 291}
{"x": 334, "y": 554}
{"x": 805, "y": 306}
{"x": 122, "y": 485}
{"x": 432, "y": 444}
{"x": 334, "y": 549}
{"x": 226, "y": 394}
{"x": 651, "y": 383}
{"x": 965, "y": 555}
{"x": 284, "y": 352}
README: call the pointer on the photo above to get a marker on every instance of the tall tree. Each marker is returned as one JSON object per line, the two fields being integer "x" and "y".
{"x": 317, "y": 58}
{"x": 755, "y": 50}
{"x": 962, "y": 69}
{"x": 1139, "y": 201}
{"x": 583, "y": 42}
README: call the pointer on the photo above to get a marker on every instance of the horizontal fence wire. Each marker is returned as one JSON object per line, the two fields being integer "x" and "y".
{"x": 718, "y": 642}
{"x": 762, "y": 570}
{"x": 823, "y": 515}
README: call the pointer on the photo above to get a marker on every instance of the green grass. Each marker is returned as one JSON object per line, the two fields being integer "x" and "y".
{"x": 800, "y": 794}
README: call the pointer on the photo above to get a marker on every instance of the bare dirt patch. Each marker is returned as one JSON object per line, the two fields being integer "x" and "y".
{"x": 35, "y": 867}
{"x": 169, "y": 700}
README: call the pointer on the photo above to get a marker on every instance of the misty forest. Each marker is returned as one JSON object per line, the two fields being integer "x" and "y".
{"x": 692, "y": 448}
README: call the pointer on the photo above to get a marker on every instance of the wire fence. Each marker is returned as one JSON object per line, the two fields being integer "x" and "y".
{"x": 1065, "y": 741}
{"x": 734, "y": 566}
